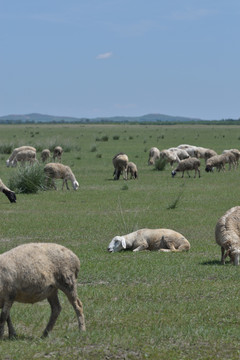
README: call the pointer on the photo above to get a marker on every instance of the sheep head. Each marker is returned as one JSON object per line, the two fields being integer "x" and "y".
{"x": 10, "y": 194}
{"x": 75, "y": 185}
{"x": 173, "y": 173}
{"x": 117, "y": 244}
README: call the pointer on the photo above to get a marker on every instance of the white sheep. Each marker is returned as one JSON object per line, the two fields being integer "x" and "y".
{"x": 132, "y": 169}
{"x": 15, "y": 151}
{"x": 25, "y": 156}
{"x": 32, "y": 272}
{"x": 169, "y": 156}
{"x": 187, "y": 165}
{"x": 190, "y": 149}
{"x": 60, "y": 171}
{"x": 154, "y": 154}
{"x": 227, "y": 235}
{"x": 120, "y": 162}
{"x": 45, "y": 155}
{"x": 9, "y": 193}
{"x": 181, "y": 153}
{"x": 150, "y": 239}
{"x": 236, "y": 154}
{"x": 57, "y": 153}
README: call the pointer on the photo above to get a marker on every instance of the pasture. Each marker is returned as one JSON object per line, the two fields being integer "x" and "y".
{"x": 145, "y": 305}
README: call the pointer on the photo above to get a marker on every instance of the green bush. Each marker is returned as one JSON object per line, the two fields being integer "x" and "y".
{"x": 27, "y": 179}
{"x": 160, "y": 164}
{"x": 6, "y": 148}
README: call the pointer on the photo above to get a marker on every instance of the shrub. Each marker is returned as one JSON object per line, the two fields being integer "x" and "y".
{"x": 160, "y": 164}
{"x": 6, "y": 149}
{"x": 116, "y": 137}
{"x": 28, "y": 179}
{"x": 99, "y": 156}
{"x": 93, "y": 148}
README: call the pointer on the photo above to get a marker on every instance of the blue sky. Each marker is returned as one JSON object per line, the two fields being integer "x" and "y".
{"x": 100, "y": 58}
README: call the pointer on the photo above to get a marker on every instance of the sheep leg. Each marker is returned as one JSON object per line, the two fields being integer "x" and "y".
{"x": 55, "y": 311}
{"x": 223, "y": 255}
{"x": 11, "y": 331}
{"x": 4, "y": 315}
{"x": 78, "y": 308}
{"x": 183, "y": 173}
{"x": 65, "y": 182}
{"x": 141, "y": 247}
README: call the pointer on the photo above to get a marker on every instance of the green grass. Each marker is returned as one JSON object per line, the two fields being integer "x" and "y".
{"x": 142, "y": 305}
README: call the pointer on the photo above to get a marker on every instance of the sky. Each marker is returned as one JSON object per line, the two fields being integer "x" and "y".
{"x": 102, "y": 58}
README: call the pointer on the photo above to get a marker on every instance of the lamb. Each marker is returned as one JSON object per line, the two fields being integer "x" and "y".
{"x": 45, "y": 155}
{"x": 57, "y": 153}
{"x": 150, "y": 239}
{"x": 60, "y": 171}
{"x": 186, "y": 165}
{"x": 120, "y": 163}
{"x": 15, "y": 151}
{"x": 9, "y": 193}
{"x": 227, "y": 235}
{"x": 24, "y": 156}
{"x": 154, "y": 154}
{"x": 132, "y": 169}
{"x": 32, "y": 272}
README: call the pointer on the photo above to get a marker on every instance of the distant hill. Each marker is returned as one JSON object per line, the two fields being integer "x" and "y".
{"x": 41, "y": 118}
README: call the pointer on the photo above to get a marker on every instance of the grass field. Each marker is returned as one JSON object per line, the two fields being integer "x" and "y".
{"x": 142, "y": 305}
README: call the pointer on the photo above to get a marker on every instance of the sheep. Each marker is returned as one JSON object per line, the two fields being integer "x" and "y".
{"x": 60, "y": 171}
{"x": 181, "y": 153}
{"x": 24, "y": 156}
{"x": 132, "y": 169}
{"x": 15, "y": 151}
{"x": 218, "y": 161}
{"x": 236, "y": 154}
{"x": 57, "y": 153}
{"x": 32, "y": 272}
{"x": 154, "y": 154}
{"x": 150, "y": 239}
{"x": 227, "y": 235}
{"x": 169, "y": 156}
{"x": 190, "y": 149}
{"x": 120, "y": 162}
{"x": 9, "y": 193}
{"x": 208, "y": 154}
{"x": 186, "y": 165}
{"x": 45, "y": 155}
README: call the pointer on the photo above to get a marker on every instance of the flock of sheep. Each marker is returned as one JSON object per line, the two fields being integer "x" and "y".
{"x": 51, "y": 267}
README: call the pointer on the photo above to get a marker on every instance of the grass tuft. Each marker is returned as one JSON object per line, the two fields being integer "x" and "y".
{"x": 160, "y": 164}
{"x": 28, "y": 179}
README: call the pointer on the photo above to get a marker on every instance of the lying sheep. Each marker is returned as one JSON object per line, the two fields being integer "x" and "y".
{"x": 154, "y": 154}
{"x": 227, "y": 235}
{"x": 15, "y": 151}
{"x": 25, "y": 156}
{"x": 45, "y": 155}
{"x": 132, "y": 169}
{"x": 187, "y": 165}
{"x": 120, "y": 162}
{"x": 33, "y": 272}
{"x": 9, "y": 193}
{"x": 60, "y": 171}
{"x": 150, "y": 239}
{"x": 57, "y": 153}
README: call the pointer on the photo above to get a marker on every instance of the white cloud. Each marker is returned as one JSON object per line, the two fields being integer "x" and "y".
{"x": 105, "y": 55}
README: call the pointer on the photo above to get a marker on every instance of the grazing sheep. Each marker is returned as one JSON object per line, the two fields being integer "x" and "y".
{"x": 190, "y": 149}
{"x": 169, "y": 156}
{"x": 120, "y": 162}
{"x": 150, "y": 239}
{"x": 208, "y": 154}
{"x": 219, "y": 162}
{"x": 24, "y": 156}
{"x": 60, "y": 171}
{"x": 227, "y": 235}
{"x": 33, "y": 272}
{"x": 57, "y": 153}
{"x": 181, "y": 153}
{"x": 15, "y": 151}
{"x": 154, "y": 154}
{"x": 45, "y": 155}
{"x": 9, "y": 193}
{"x": 132, "y": 169}
{"x": 186, "y": 165}
{"x": 236, "y": 153}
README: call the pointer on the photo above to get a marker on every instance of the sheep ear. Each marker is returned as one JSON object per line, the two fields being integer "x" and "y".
{"x": 124, "y": 243}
